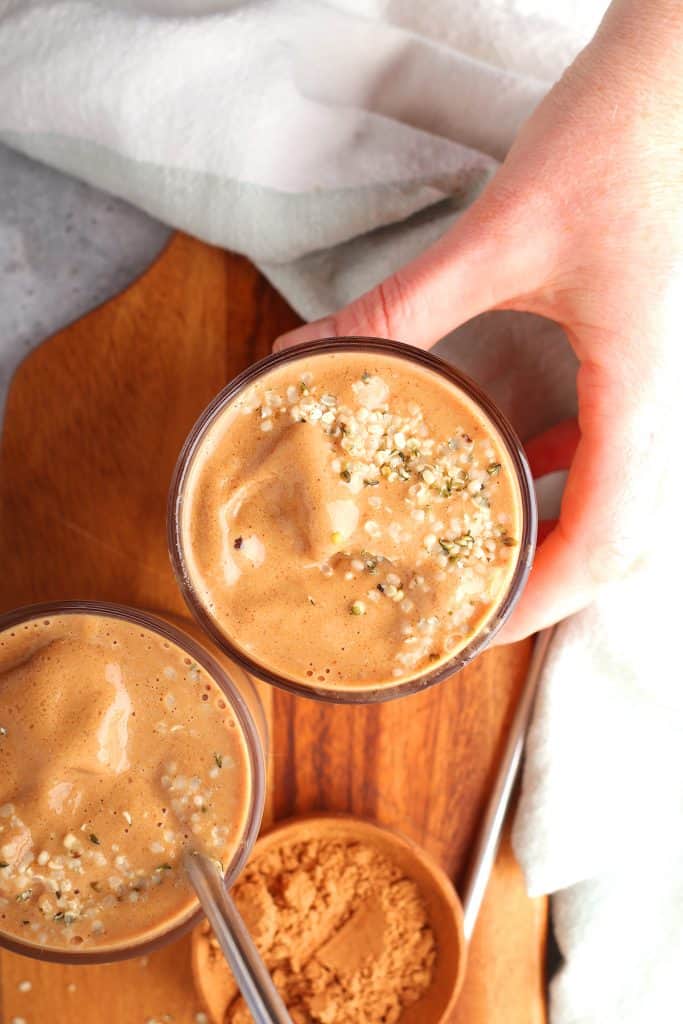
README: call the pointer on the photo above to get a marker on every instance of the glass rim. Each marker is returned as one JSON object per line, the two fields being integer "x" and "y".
{"x": 255, "y": 753}
{"x": 527, "y": 540}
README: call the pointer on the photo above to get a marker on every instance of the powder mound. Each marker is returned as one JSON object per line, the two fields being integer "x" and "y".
{"x": 343, "y": 932}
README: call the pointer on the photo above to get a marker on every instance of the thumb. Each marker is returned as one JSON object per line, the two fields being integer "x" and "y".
{"x": 489, "y": 259}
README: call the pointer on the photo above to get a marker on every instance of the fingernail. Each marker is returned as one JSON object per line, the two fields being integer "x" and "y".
{"x": 307, "y": 332}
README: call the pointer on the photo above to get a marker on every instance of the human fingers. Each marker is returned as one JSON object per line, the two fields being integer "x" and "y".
{"x": 612, "y": 492}
{"x": 482, "y": 262}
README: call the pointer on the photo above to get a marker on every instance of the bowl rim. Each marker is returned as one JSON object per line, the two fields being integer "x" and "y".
{"x": 357, "y": 827}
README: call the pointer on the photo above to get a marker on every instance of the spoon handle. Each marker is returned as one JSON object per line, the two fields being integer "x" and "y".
{"x": 250, "y": 972}
{"x": 488, "y": 839}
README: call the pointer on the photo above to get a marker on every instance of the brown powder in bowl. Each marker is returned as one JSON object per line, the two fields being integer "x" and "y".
{"x": 344, "y": 933}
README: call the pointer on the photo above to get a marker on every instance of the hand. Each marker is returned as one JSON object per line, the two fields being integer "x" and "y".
{"x": 583, "y": 224}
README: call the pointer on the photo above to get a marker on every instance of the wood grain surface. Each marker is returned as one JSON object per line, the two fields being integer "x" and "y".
{"x": 94, "y": 422}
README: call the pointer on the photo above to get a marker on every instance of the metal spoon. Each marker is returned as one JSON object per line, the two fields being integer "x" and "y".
{"x": 488, "y": 838}
{"x": 249, "y": 970}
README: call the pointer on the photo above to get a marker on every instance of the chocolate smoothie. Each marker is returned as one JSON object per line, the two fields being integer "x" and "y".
{"x": 117, "y": 752}
{"x": 351, "y": 519}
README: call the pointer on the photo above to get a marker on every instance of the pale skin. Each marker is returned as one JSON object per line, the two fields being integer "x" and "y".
{"x": 583, "y": 223}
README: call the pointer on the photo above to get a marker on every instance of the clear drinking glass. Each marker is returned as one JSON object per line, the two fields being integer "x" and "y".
{"x": 245, "y": 704}
{"x": 354, "y": 694}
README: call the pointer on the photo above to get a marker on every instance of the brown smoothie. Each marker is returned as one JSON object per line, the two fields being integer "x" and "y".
{"x": 351, "y": 519}
{"x": 117, "y": 752}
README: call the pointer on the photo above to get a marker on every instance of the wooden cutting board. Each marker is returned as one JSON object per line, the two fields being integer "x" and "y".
{"x": 95, "y": 419}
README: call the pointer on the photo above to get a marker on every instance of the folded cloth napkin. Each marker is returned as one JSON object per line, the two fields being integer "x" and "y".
{"x": 330, "y": 143}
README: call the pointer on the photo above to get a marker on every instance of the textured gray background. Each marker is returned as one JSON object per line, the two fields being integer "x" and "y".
{"x": 64, "y": 248}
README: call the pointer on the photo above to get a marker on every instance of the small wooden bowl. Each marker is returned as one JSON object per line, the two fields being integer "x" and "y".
{"x": 215, "y": 985}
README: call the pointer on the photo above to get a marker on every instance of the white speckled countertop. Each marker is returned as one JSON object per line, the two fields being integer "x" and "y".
{"x": 64, "y": 248}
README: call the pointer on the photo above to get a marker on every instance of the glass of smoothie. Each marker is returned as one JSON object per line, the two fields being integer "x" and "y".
{"x": 122, "y": 744}
{"x": 352, "y": 520}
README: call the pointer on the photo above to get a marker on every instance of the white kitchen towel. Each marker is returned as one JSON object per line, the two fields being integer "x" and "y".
{"x": 330, "y": 143}
{"x": 282, "y": 128}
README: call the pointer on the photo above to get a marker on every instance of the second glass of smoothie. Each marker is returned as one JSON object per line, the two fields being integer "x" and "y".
{"x": 352, "y": 520}
{"x": 123, "y": 744}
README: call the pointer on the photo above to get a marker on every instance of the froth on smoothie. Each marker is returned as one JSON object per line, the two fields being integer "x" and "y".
{"x": 117, "y": 752}
{"x": 350, "y": 520}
